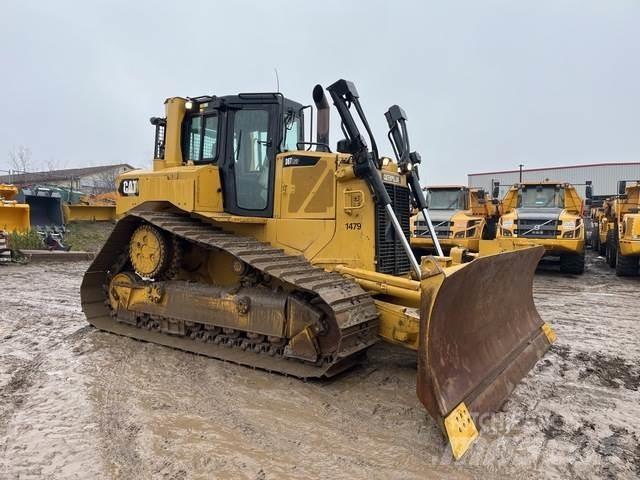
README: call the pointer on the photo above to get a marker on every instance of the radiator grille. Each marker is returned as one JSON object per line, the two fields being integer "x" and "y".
{"x": 537, "y": 228}
{"x": 390, "y": 256}
{"x": 443, "y": 229}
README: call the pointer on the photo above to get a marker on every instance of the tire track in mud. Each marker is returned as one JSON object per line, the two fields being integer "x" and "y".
{"x": 592, "y": 414}
{"x": 40, "y": 327}
{"x": 13, "y": 392}
{"x": 85, "y": 404}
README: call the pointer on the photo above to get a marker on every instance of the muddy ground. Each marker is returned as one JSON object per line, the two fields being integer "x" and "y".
{"x": 79, "y": 403}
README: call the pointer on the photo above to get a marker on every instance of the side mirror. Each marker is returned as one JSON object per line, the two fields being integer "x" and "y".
{"x": 588, "y": 191}
{"x": 622, "y": 186}
{"x": 495, "y": 193}
{"x": 343, "y": 146}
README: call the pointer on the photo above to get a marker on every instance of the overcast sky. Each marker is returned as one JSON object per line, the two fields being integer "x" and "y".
{"x": 486, "y": 84}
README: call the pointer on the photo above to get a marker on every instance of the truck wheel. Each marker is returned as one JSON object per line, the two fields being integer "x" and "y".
{"x": 602, "y": 248}
{"x": 626, "y": 266}
{"x": 572, "y": 263}
{"x": 595, "y": 241}
{"x": 611, "y": 248}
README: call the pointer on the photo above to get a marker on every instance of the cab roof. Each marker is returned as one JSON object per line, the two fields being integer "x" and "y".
{"x": 211, "y": 102}
{"x": 446, "y": 187}
{"x": 543, "y": 183}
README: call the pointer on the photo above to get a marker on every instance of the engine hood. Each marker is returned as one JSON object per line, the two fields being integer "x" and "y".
{"x": 440, "y": 215}
{"x": 538, "y": 213}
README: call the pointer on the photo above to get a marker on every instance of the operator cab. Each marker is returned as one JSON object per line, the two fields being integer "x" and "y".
{"x": 447, "y": 198}
{"x": 242, "y": 134}
{"x": 540, "y": 196}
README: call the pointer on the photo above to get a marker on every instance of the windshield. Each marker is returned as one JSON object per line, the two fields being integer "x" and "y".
{"x": 445, "y": 199}
{"x": 541, "y": 197}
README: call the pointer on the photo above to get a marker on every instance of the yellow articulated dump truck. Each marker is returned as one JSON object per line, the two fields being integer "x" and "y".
{"x": 461, "y": 217}
{"x": 602, "y": 221}
{"x": 249, "y": 243}
{"x": 548, "y": 214}
{"x": 595, "y": 214}
{"x": 623, "y": 239}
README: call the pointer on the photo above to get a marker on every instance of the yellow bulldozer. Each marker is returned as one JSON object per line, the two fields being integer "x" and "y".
{"x": 249, "y": 244}
{"x": 461, "y": 216}
{"x": 623, "y": 235}
{"x": 548, "y": 214}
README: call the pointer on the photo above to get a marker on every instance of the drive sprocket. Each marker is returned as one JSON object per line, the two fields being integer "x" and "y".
{"x": 150, "y": 251}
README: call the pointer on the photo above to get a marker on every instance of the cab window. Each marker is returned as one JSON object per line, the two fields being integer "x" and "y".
{"x": 292, "y": 133}
{"x": 194, "y": 139}
{"x": 439, "y": 199}
{"x": 209, "y": 138}
{"x": 202, "y": 135}
{"x": 541, "y": 197}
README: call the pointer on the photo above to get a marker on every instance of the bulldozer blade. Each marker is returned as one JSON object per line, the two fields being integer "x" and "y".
{"x": 14, "y": 217}
{"x": 480, "y": 335}
{"x": 89, "y": 213}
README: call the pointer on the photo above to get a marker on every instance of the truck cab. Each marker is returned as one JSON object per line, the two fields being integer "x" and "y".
{"x": 461, "y": 217}
{"x": 549, "y": 214}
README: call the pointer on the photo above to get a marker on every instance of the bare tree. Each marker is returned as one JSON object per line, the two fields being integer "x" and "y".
{"x": 105, "y": 181}
{"x": 20, "y": 159}
{"x": 52, "y": 164}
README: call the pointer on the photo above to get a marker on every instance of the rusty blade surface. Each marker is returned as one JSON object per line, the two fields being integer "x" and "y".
{"x": 482, "y": 333}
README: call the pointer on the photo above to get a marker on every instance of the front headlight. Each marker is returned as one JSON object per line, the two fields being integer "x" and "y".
{"x": 569, "y": 225}
{"x": 507, "y": 224}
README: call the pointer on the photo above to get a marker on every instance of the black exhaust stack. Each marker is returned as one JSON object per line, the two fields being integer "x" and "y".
{"x": 322, "y": 130}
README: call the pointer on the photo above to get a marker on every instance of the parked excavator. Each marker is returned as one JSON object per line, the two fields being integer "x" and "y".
{"x": 249, "y": 244}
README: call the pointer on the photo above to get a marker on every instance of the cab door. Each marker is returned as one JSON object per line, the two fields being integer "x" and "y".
{"x": 250, "y": 156}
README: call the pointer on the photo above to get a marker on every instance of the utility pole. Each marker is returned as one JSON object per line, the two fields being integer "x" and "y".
{"x": 521, "y": 165}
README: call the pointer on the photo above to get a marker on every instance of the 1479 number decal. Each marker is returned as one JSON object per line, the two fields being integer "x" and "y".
{"x": 353, "y": 226}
